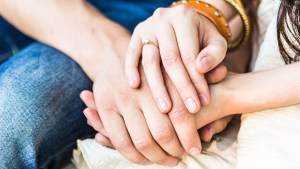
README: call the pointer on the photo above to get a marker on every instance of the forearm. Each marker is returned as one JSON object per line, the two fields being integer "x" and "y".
{"x": 74, "y": 27}
{"x": 263, "y": 90}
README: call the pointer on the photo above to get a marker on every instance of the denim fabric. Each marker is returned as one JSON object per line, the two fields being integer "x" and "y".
{"x": 40, "y": 110}
{"x": 129, "y": 12}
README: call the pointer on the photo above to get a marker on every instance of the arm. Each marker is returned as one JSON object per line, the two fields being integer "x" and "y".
{"x": 246, "y": 93}
{"x": 264, "y": 90}
{"x": 80, "y": 31}
{"x": 74, "y": 27}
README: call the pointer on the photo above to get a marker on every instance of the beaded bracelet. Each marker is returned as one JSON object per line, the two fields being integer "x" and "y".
{"x": 211, "y": 13}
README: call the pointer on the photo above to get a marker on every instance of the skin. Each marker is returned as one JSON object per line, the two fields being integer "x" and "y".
{"x": 247, "y": 93}
{"x": 206, "y": 132}
{"x": 156, "y": 140}
{"x": 251, "y": 92}
{"x": 189, "y": 45}
{"x": 189, "y": 89}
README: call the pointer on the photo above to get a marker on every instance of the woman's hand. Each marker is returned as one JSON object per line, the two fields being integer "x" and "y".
{"x": 219, "y": 109}
{"x": 188, "y": 45}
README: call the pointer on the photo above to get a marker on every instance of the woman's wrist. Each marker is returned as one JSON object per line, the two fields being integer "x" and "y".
{"x": 229, "y": 95}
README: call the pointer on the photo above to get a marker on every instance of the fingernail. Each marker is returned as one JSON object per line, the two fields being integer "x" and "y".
{"x": 191, "y": 105}
{"x": 131, "y": 82}
{"x": 205, "y": 64}
{"x": 194, "y": 151}
{"x": 203, "y": 99}
{"x": 173, "y": 162}
{"x": 162, "y": 104}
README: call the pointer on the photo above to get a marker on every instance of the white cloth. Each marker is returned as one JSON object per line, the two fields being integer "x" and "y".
{"x": 266, "y": 139}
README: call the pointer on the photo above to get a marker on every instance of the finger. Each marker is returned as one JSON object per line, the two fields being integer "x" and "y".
{"x": 188, "y": 43}
{"x": 161, "y": 128}
{"x": 214, "y": 48}
{"x": 142, "y": 138}
{"x": 100, "y": 138}
{"x": 152, "y": 69}
{"x": 94, "y": 120}
{"x": 174, "y": 67}
{"x": 216, "y": 75}
{"x": 184, "y": 123}
{"x": 119, "y": 136}
{"x": 89, "y": 123}
{"x": 208, "y": 131}
{"x": 132, "y": 59}
{"x": 88, "y": 98}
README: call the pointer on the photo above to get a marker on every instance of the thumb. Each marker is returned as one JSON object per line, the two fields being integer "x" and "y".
{"x": 208, "y": 131}
{"x": 213, "y": 53}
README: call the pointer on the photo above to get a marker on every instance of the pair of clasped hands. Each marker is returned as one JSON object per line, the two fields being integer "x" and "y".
{"x": 152, "y": 112}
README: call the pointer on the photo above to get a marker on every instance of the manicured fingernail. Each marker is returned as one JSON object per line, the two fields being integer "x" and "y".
{"x": 205, "y": 64}
{"x": 194, "y": 151}
{"x": 203, "y": 99}
{"x": 191, "y": 105}
{"x": 172, "y": 162}
{"x": 131, "y": 82}
{"x": 162, "y": 104}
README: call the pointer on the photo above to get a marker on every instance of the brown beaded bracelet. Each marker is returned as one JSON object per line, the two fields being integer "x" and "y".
{"x": 211, "y": 13}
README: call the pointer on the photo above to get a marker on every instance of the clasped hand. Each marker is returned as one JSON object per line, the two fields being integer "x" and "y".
{"x": 148, "y": 115}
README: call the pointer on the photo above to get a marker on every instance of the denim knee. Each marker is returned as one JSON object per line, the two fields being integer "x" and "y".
{"x": 39, "y": 105}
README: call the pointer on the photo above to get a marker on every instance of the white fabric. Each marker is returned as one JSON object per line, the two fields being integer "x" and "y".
{"x": 266, "y": 139}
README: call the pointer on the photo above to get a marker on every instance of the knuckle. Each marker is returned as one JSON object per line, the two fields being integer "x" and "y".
{"x": 143, "y": 143}
{"x": 121, "y": 143}
{"x": 150, "y": 60}
{"x": 162, "y": 160}
{"x": 178, "y": 114}
{"x": 169, "y": 58}
{"x": 182, "y": 10}
{"x": 163, "y": 134}
{"x": 159, "y": 13}
{"x": 138, "y": 159}
{"x": 107, "y": 106}
{"x": 184, "y": 14}
{"x": 138, "y": 27}
{"x": 184, "y": 87}
{"x": 188, "y": 58}
{"x": 201, "y": 85}
{"x": 124, "y": 94}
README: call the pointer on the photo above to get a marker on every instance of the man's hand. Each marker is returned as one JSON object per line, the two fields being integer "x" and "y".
{"x": 134, "y": 125}
{"x": 206, "y": 132}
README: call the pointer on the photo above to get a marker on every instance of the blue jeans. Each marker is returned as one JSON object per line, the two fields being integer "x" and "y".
{"x": 40, "y": 110}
